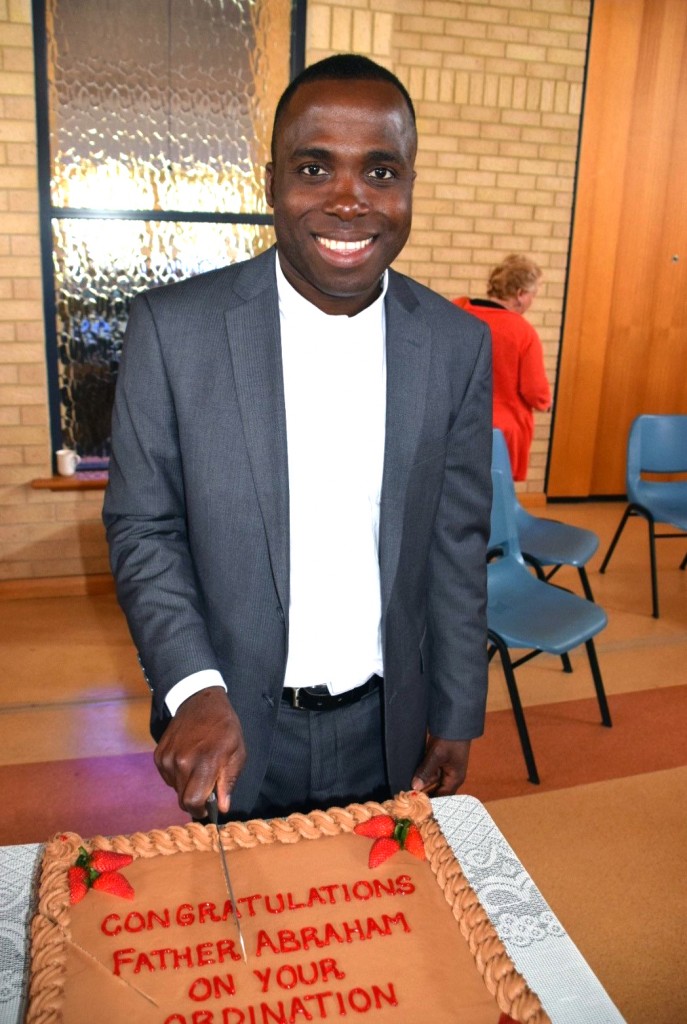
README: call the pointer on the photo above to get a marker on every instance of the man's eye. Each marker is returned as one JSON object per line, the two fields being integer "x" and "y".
{"x": 382, "y": 174}
{"x": 312, "y": 170}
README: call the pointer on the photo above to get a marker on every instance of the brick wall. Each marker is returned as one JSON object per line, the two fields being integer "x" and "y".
{"x": 497, "y": 86}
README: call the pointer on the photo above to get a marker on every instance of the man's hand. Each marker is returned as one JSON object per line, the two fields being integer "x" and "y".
{"x": 443, "y": 768}
{"x": 202, "y": 749}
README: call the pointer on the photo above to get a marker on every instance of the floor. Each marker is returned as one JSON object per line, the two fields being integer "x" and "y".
{"x": 603, "y": 835}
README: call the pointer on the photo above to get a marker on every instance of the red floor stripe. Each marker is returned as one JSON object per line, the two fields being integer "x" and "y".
{"x": 91, "y": 796}
{"x": 115, "y": 795}
{"x": 572, "y": 748}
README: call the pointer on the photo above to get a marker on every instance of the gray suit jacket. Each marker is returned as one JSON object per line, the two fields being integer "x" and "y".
{"x": 197, "y": 507}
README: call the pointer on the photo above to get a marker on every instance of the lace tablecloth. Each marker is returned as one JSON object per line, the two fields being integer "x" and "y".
{"x": 18, "y": 881}
{"x": 534, "y": 938}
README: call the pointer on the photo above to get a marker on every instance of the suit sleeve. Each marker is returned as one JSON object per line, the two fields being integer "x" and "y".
{"x": 457, "y": 625}
{"x": 145, "y": 517}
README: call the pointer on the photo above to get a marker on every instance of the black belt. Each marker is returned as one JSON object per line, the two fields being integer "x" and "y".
{"x": 318, "y": 698}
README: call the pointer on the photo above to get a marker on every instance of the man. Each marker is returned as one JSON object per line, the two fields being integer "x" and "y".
{"x": 299, "y": 491}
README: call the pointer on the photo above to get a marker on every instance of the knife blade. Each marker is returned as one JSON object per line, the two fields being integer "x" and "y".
{"x": 211, "y": 806}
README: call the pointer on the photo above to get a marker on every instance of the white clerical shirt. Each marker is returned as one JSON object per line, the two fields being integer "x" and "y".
{"x": 335, "y": 395}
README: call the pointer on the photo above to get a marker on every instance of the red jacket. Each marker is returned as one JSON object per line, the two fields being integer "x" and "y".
{"x": 520, "y": 382}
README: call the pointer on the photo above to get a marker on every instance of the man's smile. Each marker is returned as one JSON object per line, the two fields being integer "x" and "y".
{"x": 338, "y": 245}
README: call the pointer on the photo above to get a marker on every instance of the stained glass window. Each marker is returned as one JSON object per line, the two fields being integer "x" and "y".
{"x": 154, "y": 125}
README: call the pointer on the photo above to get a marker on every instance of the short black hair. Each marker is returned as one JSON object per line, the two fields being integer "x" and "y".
{"x": 341, "y": 66}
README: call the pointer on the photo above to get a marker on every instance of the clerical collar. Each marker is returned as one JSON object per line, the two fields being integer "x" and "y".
{"x": 294, "y": 302}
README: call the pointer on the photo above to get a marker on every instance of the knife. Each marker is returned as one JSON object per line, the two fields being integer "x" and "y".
{"x": 211, "y": 806}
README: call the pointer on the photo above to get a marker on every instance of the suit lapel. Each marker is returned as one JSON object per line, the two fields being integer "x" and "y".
{"x": 255, "y": 347}
{"x": 408, "y": 352}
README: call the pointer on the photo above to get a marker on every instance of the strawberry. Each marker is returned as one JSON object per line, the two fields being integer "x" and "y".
{"x": 115, "y": 884}
{"x": 106, "y": 860}
{"x": 382, "y": 849}
{"x": 382, "y": 825}
{"x": 413, "y": 842}
{"x": 78, "y": 884}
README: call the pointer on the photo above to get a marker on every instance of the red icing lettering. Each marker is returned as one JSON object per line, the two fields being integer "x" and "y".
{"x": 405, "y": 885}
{"x": 288, "y": 943}
{"x": 200, "y": 990}
{"x": 227, "y": 948}
{"x": 359, "y": 1000}
{"x": 111, "y": 929}
{"x": 121, "y": 957}
{"x": 307, "y": 979}
{"x": 319, "y": 998}
{"x": 134, "y": 922}
{"x": 263, "y": 977}
{"x": 221, "y": 988}
{"x": 363, "y": 890}
{"x": 351, "y": 930}
{"x": 143, "y": 960}
{"x": 161, "y": 956}
{"x": 279, "y": 909}
{"x": 297, "y": 1006}
{"x": 287, "y": 976}
{"x": 185, "y": 915}
{"x": 388, "y": 997}
{"x": 382, "y": 888}
{"x": 207, "y": 911}
{"x": 329, "y": 966}
{"x": 314, "y": 896}
{"x": 292, "y": 905}
{"x": 265, "y": 942}
{"x": 310, "y": 938}
{"x": 204, "y": 955}
{"x": 250, "y": 900}
{"x": 154, "y": 919}
{"x": 396, "y": 919}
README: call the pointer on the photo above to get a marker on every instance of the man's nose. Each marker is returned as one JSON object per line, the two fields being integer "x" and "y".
{"x": 346, "y": 198}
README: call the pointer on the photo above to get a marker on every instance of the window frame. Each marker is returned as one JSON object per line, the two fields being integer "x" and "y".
{"x": 48, "y": 212}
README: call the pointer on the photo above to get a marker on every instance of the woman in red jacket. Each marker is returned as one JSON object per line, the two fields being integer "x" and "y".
{"x": 520, "y": 383}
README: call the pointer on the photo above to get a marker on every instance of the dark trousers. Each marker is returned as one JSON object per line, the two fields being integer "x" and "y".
{"x": 322, "y": 759}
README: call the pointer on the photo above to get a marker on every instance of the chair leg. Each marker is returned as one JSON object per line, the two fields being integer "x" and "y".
{"x": 598, "y": 683}
{"x": 584, "y": 579}
{"x": 536, "y": 565}
{"x": 616, "y": 538}
{"x": 683, "y": 563}
{"x": 532, "y": 773}
{"x": 567, "y": 664}
{"x": 652, "y": 554}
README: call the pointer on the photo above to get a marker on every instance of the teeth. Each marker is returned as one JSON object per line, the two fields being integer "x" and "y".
{"x": 337, "y": 246}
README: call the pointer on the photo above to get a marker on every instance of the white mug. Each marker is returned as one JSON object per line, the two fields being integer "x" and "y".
{"x": 67, "y": 461}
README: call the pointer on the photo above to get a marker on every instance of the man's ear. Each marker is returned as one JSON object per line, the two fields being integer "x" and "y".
{"x": 269, "y": 181}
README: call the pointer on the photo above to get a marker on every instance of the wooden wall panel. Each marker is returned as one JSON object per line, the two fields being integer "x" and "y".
{"x": 623, "y": 349}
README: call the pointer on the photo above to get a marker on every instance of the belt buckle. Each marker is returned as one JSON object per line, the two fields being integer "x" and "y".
{"x": 295, "y": 701}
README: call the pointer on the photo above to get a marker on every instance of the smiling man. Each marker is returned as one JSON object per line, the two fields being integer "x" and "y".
{"x": 299, "y": 492}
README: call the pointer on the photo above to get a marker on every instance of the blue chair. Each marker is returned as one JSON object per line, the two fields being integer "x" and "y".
{"x": 526, "y": 613}
{"x": 656, "y": 444}
{"x": 545, "y": 543}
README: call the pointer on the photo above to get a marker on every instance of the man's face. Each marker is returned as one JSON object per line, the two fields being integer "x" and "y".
{"x": 341, "y": 186}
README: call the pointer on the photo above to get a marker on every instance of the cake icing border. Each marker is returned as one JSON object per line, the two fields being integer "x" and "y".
{"x": 50, "y": 928}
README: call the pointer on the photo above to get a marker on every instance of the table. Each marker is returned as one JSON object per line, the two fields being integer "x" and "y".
{"x": 536, "y": 941}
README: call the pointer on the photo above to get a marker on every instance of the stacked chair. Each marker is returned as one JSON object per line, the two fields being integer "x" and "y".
{"x": 657, "y": 445}
{"x": 545, "y": 543}
{"x": 526, "y": 612}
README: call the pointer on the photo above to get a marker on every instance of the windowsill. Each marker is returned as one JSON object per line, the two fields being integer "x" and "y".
{"x": 95, "y": 480}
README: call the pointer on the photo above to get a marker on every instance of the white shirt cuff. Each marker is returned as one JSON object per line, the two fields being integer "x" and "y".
{"x": 189, "y": 685}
